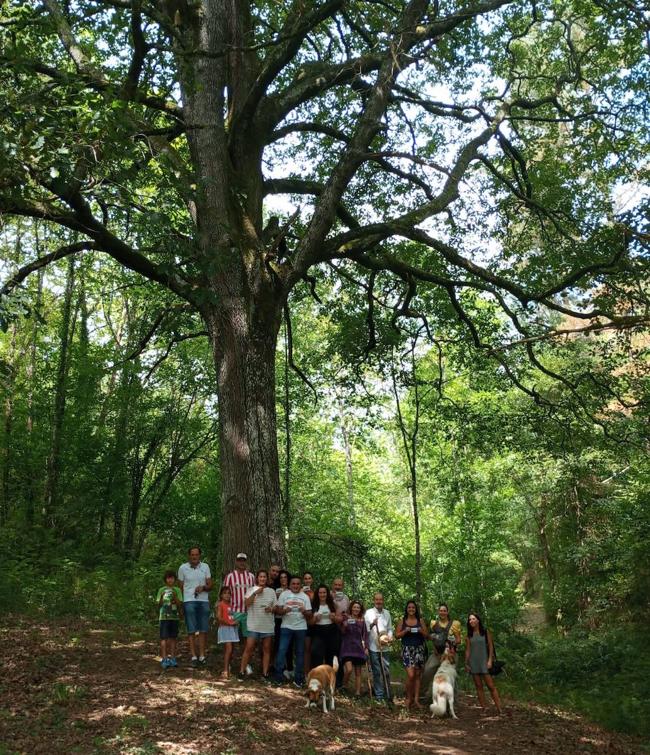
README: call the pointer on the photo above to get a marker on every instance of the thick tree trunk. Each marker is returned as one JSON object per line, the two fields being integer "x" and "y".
{"x": 244, "y": 344}
{"x": 246, "y": 296}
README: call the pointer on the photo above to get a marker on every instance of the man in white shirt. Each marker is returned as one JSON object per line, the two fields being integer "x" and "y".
{"x": 380, "y": 630}
{"x": 195, "y": 580}
{"x": 295, "y": 608}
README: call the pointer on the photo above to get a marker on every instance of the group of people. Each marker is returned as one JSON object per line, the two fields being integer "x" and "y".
{"x": 299, "y": 626}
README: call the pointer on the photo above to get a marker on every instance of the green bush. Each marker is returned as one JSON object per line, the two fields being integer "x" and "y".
{"x": 604, "y": 674}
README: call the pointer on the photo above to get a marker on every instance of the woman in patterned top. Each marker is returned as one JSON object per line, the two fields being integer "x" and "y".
{"x": 413, "y": 632}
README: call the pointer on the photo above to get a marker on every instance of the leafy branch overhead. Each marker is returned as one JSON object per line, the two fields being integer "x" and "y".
{"x": 491, "y": 147}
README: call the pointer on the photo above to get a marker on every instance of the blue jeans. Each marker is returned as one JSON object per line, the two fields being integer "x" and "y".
{"x": 197, "y": 615}
{"x": 298, "y": 636}
{"x": 377, "y": 678}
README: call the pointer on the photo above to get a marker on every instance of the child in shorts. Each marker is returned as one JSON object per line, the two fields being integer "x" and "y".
{"x": 227, "y": 633}
{"x": 170, "y": 608}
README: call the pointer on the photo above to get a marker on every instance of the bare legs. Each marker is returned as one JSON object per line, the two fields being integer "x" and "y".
{"x": 416, "y": 687}
{"x": 248, "y": 652}
{"x": 201, "y": 636}
{"x": 250, "y": 648}
{"x": 266, "y": 654}
{"x": 226, "y": 660}
{"x": 348, "y": 667}
{"x": 410, "y": 685}
{"x": 478, "y": 683}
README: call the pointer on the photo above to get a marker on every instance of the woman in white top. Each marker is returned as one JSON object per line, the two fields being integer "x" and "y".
{"x": 324, "y": 629}
{"x": 260, "y": 602}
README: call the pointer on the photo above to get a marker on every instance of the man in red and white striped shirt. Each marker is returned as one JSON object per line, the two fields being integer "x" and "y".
{"x": 239, "y": 580}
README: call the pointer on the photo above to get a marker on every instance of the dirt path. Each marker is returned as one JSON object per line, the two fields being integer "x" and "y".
{"x": 82, "y": 689}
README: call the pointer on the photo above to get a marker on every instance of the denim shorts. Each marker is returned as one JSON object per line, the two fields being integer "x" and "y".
{"x": 197, "y": 615}
{"x": 168, "y": 629}
{"x": 259, "y": 635}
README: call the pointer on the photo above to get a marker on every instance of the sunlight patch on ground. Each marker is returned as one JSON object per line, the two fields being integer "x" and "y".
{"x": 119, "y": 711}
{"x": 176, "y": 748}
{"x": 379, "y": 745}
{"x": 557, "y": 712}
{"x": 135, "y": 644}
{"x": 285, "y": 726}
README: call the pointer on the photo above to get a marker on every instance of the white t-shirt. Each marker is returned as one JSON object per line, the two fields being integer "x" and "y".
{"x": 384, "y": 624}
{"x": 295, "y": 601}
{"x": 257, "y": 619}
{"x": 325, "y": 616}
{"x": 193, "y": 577}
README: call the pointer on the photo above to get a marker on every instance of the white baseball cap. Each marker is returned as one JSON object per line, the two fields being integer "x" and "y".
{"x": 241, "y": 555}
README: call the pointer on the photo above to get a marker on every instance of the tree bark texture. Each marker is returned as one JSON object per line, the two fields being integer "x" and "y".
{"x": 244, "y": 355}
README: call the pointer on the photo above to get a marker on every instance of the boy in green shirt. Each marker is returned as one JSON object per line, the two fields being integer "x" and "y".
{"x": 170, "y": 605}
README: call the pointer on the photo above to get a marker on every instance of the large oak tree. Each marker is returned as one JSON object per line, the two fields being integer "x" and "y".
{"x": 467, "y": 150}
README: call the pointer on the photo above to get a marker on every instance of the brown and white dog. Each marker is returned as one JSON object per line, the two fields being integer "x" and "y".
{"x": 442, "y": 688}
{"x": 321, "y": 683}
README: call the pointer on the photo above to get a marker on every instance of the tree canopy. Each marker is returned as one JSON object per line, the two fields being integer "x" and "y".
{"x": 475, "y": 167}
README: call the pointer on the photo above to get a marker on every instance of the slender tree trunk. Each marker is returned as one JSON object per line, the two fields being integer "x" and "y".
{"x": 116, "y": 489}
{"x": 286, "y": 503}
{"x": 350, "y": 485}
{"x": 416, "y": 527}
{"x": 410, "y": 442}
{"x": 30, "y": 493}
{"x": 5, "y": 503}
{"x": 50, "y": 501}
{"x": 547, "y": 559}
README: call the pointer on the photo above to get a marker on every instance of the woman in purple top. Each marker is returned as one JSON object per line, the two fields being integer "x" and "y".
{"x": 354, "y": 645}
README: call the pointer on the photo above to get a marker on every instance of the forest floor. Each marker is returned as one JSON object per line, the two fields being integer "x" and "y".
{"x": 77, "y": 687}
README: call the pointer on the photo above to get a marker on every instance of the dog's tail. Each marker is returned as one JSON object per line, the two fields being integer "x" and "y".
{"x": 335, "y": 664}
{"x": 439, "y": 705}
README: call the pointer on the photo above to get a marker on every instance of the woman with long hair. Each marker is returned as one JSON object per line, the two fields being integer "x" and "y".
{"x": 354, "y": 645}
{"x": 412, "y": 630}
{"x": 479, "y": 657}
{"x": 323, "y": 628}
{"x": 260, "y": 601}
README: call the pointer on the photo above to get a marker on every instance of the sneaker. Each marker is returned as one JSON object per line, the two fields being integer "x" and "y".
{"x": 267, "y": 678}
{"x": 298, "y": 685}
{"x": 202, "y": 661}
{"x": 173, "y": 662}
{"x": 240, "y": 676}
{"x": 287, "y": 675}
{"x": 195, "y": 662}
{"x": 164, "y": 664}
{"x": 249, "y": 670}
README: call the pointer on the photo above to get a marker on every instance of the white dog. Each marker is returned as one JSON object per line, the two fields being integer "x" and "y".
{"x": 442, "y": 688}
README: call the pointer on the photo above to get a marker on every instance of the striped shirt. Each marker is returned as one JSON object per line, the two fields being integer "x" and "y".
{"x": 257, "y": 619}
{"x": 239, "y": 582}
